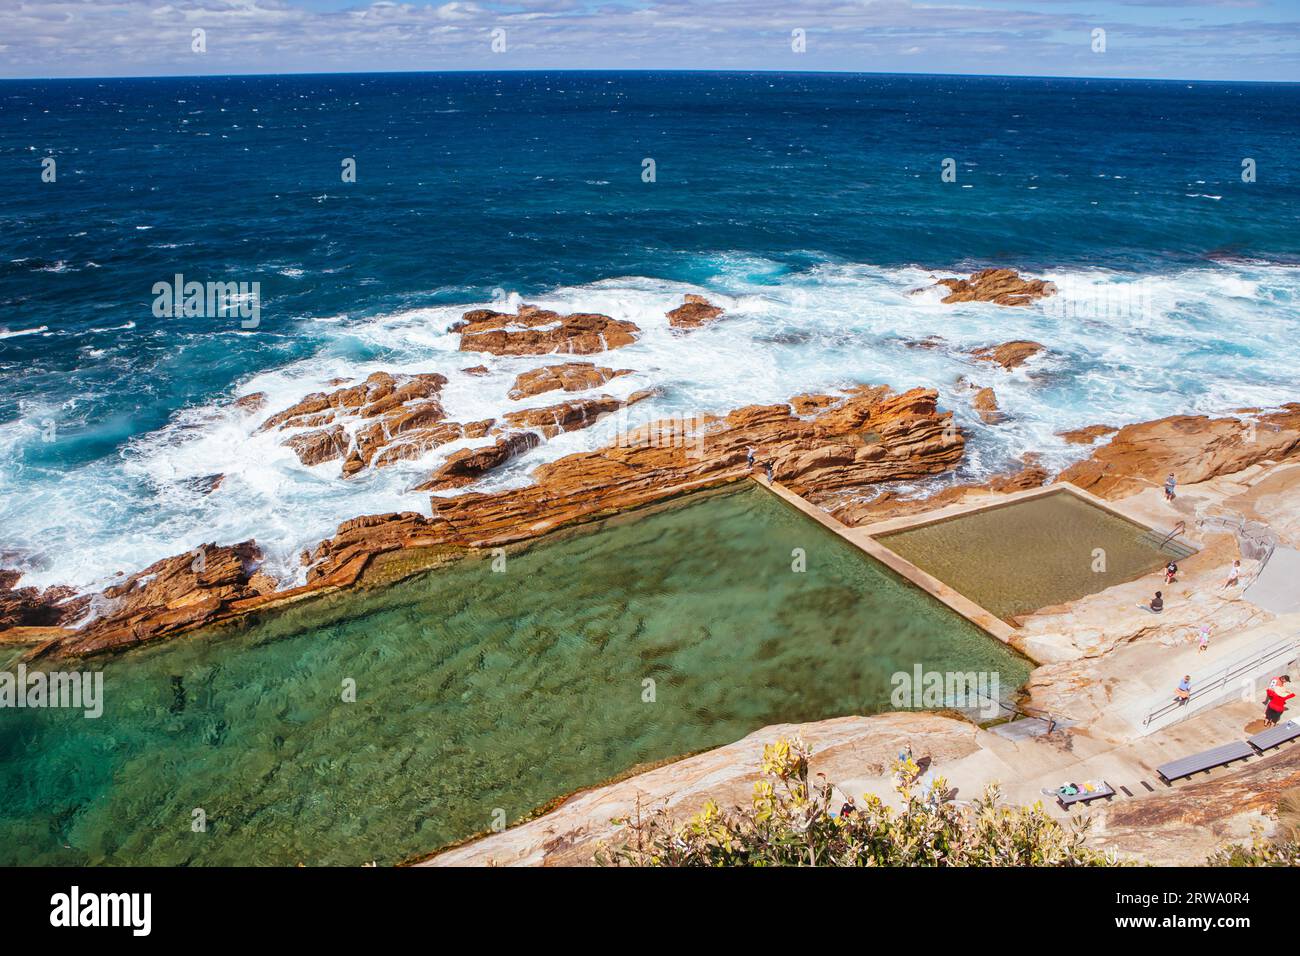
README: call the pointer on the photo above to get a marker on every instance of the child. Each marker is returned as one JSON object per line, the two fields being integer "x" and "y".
{"x": 1171, "y": 572}
{"x": 1205, "y": 638}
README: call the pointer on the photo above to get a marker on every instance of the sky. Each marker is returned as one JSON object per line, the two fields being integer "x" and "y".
{"x": 1169, "y": 39}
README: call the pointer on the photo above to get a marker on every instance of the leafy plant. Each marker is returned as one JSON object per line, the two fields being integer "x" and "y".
{"x": 792, "y": 821}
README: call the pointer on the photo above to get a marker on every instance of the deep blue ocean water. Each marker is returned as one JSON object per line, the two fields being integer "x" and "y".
{"x": 809, "y": 204}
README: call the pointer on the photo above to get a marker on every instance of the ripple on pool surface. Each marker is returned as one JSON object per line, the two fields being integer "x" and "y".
{"x": 1015, "y": 558}
{"x": 475, "y": 691}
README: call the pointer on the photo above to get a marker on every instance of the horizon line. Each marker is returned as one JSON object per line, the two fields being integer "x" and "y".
{"x": 781, "y": 72}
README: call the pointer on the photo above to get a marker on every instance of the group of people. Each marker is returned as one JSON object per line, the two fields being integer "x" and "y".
{"x": 1157, "y": 603}
{"x": 1275, "y": 696}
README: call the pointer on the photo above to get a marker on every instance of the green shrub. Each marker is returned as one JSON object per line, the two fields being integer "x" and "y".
{"x": 791, "y": 822}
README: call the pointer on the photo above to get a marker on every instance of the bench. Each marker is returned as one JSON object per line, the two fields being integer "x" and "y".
{"x": 1085, "y": 796}
{"x": 1275, "y": 736}
{"x": 1205, "y": 760}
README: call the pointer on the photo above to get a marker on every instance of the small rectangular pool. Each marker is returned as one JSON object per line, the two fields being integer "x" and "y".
{"x": 479, "y": 694}
{"x": 1018, "y": 557}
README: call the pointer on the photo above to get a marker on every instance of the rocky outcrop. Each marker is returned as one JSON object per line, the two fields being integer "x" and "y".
{"x": 470, "y": 464}
{"x": 888, "y": 505}
{"x": 34, "y": 607}
{"x": 1193, "y": 447}
{"x": 172, "y": 595}
{"x": 867, "y": 436}
{"x": 864, "y": 436}
{"x": 1009, "y": 354}
{"x": 534, "y": 331}
{"x": 321, "y": 444}
{"x": 985, "y": 403}
{"x": 253, "y": 402}
{"x": 571, "y": 377}
{"x": 1086, "y": 435}
{"x": 565, "y": 417}
{"x": 358, "y": 422}
{"x": 999, "y": 286}
{"x": 693, "y": 313}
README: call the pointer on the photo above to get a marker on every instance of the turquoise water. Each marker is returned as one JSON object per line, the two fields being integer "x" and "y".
{"x": 477, "y": 693}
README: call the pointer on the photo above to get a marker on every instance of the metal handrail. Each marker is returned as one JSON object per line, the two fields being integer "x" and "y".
{"x": 1224, "y": 675}
{"x": 1024, "y": 712}
{"x": 1179, "y": 528}
{"x": 1265, "y": 542}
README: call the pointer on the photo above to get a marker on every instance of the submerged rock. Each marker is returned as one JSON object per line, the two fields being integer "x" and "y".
{"x": 1009, "y": 354}
{"x": 693, "y": 313}
{"x": 985, "y": 403}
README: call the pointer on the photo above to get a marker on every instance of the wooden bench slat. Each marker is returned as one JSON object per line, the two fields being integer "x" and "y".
{"x": 1205, "y": 760}
{"x": 1275, "y": 736}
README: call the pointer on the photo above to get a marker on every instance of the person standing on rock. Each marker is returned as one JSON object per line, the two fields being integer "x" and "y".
{"x": 1275, "y": 702}
{"x": 749, "y": 457}
{"x": 768, "y": 468}
{"x": 1170, "y": 484}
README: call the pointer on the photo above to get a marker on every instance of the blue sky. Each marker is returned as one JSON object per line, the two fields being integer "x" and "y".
{"x": 1172, "y": 39}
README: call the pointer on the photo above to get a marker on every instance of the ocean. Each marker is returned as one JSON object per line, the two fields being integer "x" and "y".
{"x": 811, "y": 206}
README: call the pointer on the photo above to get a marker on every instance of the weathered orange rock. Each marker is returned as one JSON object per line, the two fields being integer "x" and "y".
{"x": 253, "y": 402}
{"x": 534, "y": 331}
{"x": 1000, "y": 286}
{"x": 571, "y": 377}
{"x": 1193, "y": 447}
{"x": 565, "y": 417}
{"x": 696, "y": 311}
{"x": 866, "y": 436}
{"x": 1087, "y": 435}
{"x": 811, "y": 404}
{"x": 324, "y": 444}
{"x": 887, "y": 505}
{"x": 33, "y": 607}
{"x": 985, "y": 403}
{"x": 359, "y": 421}
{"x": 469, "y": 464}
{"x": 1009, "y": 354}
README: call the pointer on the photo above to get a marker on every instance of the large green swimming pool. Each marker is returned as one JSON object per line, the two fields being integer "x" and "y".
{"x": 480, "y": 695}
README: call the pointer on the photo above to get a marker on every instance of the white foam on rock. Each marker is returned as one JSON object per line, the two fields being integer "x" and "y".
{"x": 1121, "y": 349}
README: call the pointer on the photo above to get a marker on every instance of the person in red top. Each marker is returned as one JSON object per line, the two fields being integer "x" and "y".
{"x": 1275, "y": 703}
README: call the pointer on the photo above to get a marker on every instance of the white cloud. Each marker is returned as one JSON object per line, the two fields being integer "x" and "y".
{"x": 113, "y": 37}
